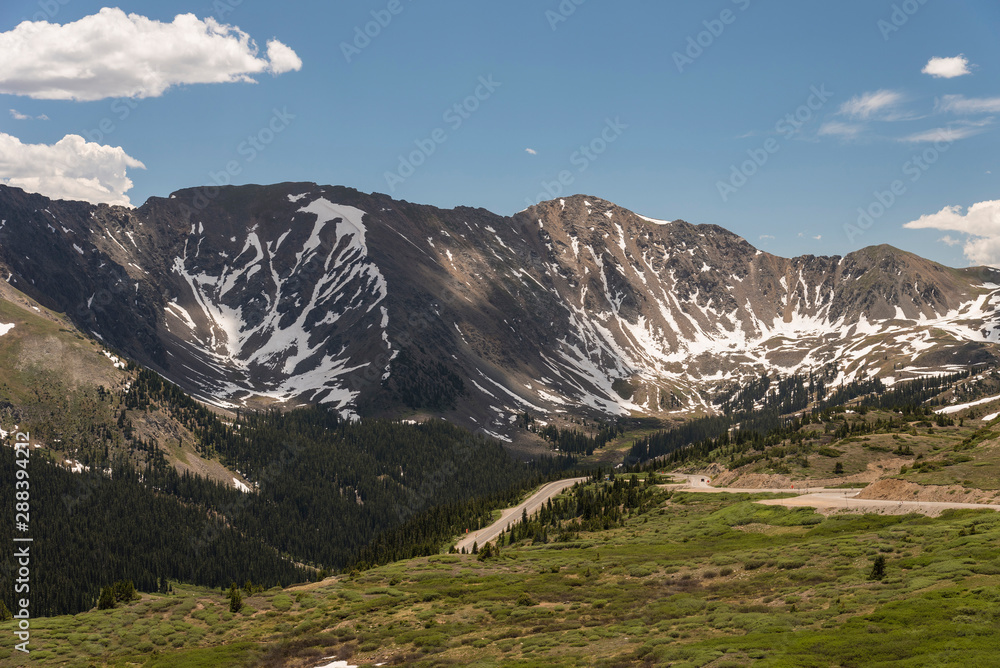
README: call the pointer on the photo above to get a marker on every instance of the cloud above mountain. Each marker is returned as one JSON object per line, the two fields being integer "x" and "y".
{"x": 72, "y": 168}
{"x": 981, "y": 224}
{"x": 113, "y": 54}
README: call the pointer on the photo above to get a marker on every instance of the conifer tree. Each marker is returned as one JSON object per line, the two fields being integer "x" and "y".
{"x": 107, "y": 599}
{"x": 235, "y": 599}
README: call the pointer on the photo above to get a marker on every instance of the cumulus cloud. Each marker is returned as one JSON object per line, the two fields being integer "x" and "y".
{"x": 981, "y": 222}
{"x": 282, "y": 58}
{"x": 72, "y": 168}
{"x": 947, "y": 68}
{"x": 867, "y": 105}
{"x": 959, "y": 104}
{"x": 114, "y": 54}
{"x": 531, "y": 151}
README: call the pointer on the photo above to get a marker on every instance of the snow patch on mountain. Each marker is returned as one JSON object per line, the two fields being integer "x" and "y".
{"x": 252, "y": 316}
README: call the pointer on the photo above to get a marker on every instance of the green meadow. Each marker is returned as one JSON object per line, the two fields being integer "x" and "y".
{"x": 692, "y": 580}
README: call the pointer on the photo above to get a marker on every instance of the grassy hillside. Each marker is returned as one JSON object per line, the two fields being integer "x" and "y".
{"x": 67, "y": 390}
{"x": 153, "y": 493}
{"x": 694, "y": 580}
{"x": 958, "y": 453}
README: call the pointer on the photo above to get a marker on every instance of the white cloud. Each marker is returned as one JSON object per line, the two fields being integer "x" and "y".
{"x": 950, "y": 240}
{"x": 18, "y": 116}
{"x": 766, "y": 237}
{"x": 818, "y": 237}
{"x": 72, "y": 168}
{"x": 841, "y": 129}
{"x": 866, "y": 105}
{"x": 531, "y": 151}
{"x": 111, "y": 54}
{"x": 952, "y": 133}
{"x": 959, "y": 104}
{"x": 981, "y": 222}
{"x": 283, "y": 58}
{"x": 947, "y": 68}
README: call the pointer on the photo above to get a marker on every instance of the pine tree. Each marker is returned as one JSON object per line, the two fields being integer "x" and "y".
{"x": 878, "y": 568}
{"x": 235, "y": 599}
{"x": 107, "y": 599}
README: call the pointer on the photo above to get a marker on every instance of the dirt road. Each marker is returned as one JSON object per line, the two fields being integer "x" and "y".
{"x": 827, "y": 500}
{"x": 702, "y": 483}
{"x": 513, "y": 515}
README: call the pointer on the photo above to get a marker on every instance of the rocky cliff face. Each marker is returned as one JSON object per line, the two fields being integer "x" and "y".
{"x": 298, "y": 293}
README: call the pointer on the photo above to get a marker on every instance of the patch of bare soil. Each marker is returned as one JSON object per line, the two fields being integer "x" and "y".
{"x": 759, "y": 481}
{"x": 77, "y": 364}
{"x": 740, "y": 479}
{"x": 891, "y": 489}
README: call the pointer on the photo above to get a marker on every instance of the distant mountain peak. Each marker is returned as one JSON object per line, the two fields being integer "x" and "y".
{"x": 301, "y": 293}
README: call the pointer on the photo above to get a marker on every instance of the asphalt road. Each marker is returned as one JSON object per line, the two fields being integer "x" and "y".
{"x": 513, "y": 515}
{"x": 818, "y": 497}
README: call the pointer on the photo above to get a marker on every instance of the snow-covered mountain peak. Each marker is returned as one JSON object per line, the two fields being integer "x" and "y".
{"x": 298, "y": 293}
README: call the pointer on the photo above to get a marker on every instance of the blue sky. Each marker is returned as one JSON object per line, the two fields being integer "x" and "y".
{"x": 670, "y": 123}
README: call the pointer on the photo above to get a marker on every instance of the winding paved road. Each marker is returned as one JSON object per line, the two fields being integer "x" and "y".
{"x": 513, "y": 515}
{"x": 814, "y": 497}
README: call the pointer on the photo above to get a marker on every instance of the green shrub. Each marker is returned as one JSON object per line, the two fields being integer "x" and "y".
{"x": 282, "y": 602}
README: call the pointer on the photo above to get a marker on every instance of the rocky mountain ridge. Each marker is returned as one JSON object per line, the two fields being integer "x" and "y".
{"x": 297, "y": 293}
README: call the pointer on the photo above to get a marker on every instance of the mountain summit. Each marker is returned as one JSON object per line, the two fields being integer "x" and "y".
{"x": 296, "y": 294}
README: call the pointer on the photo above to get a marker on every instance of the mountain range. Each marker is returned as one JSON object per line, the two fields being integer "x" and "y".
{"x": 297, "y": 294}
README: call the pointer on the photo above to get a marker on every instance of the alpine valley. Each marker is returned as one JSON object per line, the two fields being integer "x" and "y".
{"x": 249, "y": 422}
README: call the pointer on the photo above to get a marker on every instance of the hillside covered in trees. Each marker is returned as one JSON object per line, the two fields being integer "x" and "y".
{"x": 327, "y": 494}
